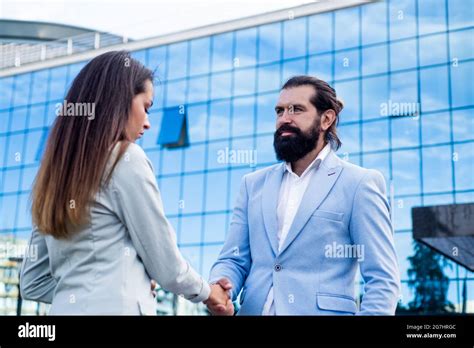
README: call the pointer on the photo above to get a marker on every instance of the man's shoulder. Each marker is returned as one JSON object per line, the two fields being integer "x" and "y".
{"x": 261, "y": 173}
{"x": 356, "y": 174}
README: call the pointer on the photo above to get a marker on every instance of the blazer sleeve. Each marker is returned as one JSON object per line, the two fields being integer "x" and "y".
{"x": 36, "y": 281}
{"x": 235, "y": 259}
{"x": 370, "y": 227}
{"x": 139, "y": 206}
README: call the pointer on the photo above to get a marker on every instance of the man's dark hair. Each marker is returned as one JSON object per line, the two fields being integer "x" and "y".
{"x": 324, "y": 98}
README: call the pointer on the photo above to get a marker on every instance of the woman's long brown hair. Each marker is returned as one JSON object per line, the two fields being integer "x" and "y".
{"x": 80, "y": 141}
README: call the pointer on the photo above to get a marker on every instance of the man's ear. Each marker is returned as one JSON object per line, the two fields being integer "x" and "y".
{"x": 327, "y": 119}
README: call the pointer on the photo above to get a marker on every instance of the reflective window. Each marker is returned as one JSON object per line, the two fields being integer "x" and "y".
{"x": 294, "y": 38}
{"x": 320, "y": 32}
{"x": 437, "y": 169}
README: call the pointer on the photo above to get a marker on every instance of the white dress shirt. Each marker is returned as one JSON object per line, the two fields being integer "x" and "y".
{"x": 292, "y": 190}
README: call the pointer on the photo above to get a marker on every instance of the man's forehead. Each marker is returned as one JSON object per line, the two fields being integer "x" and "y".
{"x": 296, "y": 95}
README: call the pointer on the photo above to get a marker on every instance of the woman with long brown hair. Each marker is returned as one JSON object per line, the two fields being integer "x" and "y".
{"x": 99, "y": 226}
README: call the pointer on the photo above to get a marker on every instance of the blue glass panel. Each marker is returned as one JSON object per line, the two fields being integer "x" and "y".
{"x": 175, "y": 93}
{"x": 198, "y": 89}
{"x": 461, "y": 84}
{"x": 374, "y": 60}
{"x": 346, "y": 64}
{"x": 19, "y": 118}
{"x": 402, "y": 19}
{"x": 348, "y": 92}
{"x": 11, "y": 180}
{"x": 216, "y": 191}
{"x": 349, "y": 136}
{"x": 157, "y": 61}
{"x": 266, "y": 117}
{"x": 320, "y": 33}
{"x": 22, "y": 89}
{"x": 245, "y": 48}
{"x": 171, "y": 161}
{"x": 374, "y": 23}
{"x": 243, "y": 116}
{"x": 403, "y": 54}
{"x": 402, "y": 212}
{"x": 433, "y": 50}
{"x": 434, "y": 94}
{"x": 177, "y": 60}
{"x": 214, "y": 149}
{"x": 244, "y": 81}
{"x": 6, "y": 86}
{"x": 437, "y": 160}
{"x": 463, "y": 124}
{"x": 219, "y": 123}
{"x": 269, "y": 43}
{"x": 294, "y": 38}
{"x": 221, "y": 85}
{"x": 461, "y": 13}
{"x": 200, "y": 56}
{"x": 405, "y": 131}
{"x": 321, "y": 67}
{"x": 195, "y": 156}
{"x": 215, "y": 228}
{"x": 431, "y": 16}
{"x": 193, "y": 191}
{"x": 24, "y": 211}
{"x": 222, "y": 58}
{"x": 57, "y": 83}
{"x": 169, "y": 188}
{"x": 210, "y": 254}
{"x": 269, "y": 78}
{"x": 190, "y": 231}
{"x": 461, "y": 45}
{"x": 406, "y": 172}
{"x": 293, "y": 68}
{"x": 244, "y": 153}
{"x": 463, "y": 158}
{"x": 40, "y": 86}
{"x": 36, "y": 118}
{"x": 197, "y": 121}
{"x": 435, "y": 128}
{"x": 347, "y": 27}
{"x": 375, "y": 135}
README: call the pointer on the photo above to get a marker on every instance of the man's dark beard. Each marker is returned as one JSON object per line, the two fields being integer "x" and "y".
{"x": 291, "y": 148}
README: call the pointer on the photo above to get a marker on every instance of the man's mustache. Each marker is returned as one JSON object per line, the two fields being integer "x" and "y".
{"x": 287, "y": 128}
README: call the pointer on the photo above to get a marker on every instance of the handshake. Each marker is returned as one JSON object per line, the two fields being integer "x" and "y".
{"x": 219, "y": 302}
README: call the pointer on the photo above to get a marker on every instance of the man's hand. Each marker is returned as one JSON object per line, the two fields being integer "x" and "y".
{"x": 219, "y": 302}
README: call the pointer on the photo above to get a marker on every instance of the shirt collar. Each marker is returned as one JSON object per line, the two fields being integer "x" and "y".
{"x": 316, "y": 162}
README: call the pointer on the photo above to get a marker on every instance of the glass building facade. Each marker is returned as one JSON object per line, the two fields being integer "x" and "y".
{"x": 404, "y": 70}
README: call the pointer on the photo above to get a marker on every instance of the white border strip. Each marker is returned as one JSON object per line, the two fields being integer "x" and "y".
{"x": 253, "y": 21}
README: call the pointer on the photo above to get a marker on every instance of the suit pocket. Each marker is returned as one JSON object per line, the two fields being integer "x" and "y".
{"x": 337, "y": 303}
{"x": 328, "y": 215}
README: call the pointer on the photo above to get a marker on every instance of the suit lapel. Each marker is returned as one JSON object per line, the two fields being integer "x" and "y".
{"x": 318, "y": 188}
{"x": 270, "y": 194}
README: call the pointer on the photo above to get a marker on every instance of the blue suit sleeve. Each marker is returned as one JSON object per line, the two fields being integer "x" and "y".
{"x": 370, "y": 227}
{"x": 235, "y": 259}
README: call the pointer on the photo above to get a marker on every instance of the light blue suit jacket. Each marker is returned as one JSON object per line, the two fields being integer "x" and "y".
{"x": 343, "y": 207}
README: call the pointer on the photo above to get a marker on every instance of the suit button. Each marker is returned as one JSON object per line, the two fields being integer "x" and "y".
{"x": 278, "y": 267}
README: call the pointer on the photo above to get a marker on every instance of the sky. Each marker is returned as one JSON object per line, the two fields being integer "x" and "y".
{"x": 139, "y": 19}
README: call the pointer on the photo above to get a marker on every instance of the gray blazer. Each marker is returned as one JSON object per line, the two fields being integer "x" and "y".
{"x": 107, "y": 266}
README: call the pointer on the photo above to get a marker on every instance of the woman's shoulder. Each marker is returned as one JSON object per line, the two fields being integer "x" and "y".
{"x": 133, "y": 162}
